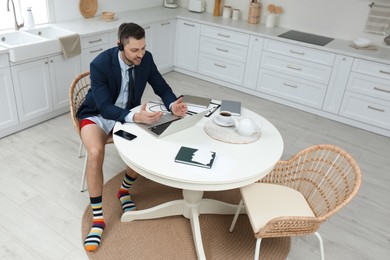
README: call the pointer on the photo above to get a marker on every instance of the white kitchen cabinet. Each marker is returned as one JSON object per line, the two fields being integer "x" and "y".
{"x": 42, "y": 86}
{"x": 221, "y": 68}
{"x": 8, "y": 110}
{"x": 149, "y": 37}
{"x": 222, "y": 54}
{"x": 337, "y": 83}
{"x": 32, "y": 89}
{"x": 91, "y": 46}
{"x": 163, "y": 44}
{"x": 253, "y": 62}
{"x": 187, "y": 45}
{"x": 367, "y": 96}
{"x": 62, "y": 73}
{"x": 113, "y": 40}
{"x": 291, "y": 88}
{"x": 160, "y": 41}
{"x": 295, "y": 73}
{"x": 299, "y": 52}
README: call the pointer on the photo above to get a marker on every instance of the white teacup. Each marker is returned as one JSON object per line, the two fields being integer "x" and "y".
{"x": 225, "y": 118}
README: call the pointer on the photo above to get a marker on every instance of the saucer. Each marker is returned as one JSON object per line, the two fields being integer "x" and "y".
{"x": 220, "y": 123}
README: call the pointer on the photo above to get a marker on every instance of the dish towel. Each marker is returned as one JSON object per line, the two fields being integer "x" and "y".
{"x": 70, "y": 45}
{"x": 378, "y": 21}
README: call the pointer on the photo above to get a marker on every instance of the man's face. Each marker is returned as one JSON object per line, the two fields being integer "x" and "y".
{"x": 134, "y": 50}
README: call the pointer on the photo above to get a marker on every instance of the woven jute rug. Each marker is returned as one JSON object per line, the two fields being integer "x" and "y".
{"x": 171, "y": 237}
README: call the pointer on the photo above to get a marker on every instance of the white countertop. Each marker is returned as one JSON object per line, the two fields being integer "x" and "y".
{"x": 88, "y": 27}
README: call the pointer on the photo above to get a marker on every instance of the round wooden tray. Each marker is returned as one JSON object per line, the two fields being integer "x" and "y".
{"x": 88, "y": 8}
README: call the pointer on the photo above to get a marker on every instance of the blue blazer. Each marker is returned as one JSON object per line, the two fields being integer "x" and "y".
{"x": 106, "y": 84}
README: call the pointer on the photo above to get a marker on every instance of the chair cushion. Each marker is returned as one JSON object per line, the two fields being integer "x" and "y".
{"x": 265, "y": 201}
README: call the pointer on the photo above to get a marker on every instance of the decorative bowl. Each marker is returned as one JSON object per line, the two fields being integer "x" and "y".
{"x": 108, "y": 16}
{"x": 362, "y": 42}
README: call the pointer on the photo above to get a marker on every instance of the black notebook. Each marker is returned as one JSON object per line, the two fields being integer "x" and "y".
{"x": 233, "y": 107}
{"x": 196, "y": 157}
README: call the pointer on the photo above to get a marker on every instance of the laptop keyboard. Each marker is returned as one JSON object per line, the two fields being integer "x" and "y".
{"x": 159, "y": 129}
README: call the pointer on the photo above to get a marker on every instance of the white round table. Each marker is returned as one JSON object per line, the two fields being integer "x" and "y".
{"x": 235, "y": 166}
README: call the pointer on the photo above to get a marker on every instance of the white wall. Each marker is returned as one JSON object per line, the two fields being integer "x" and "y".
{"x": 62, "y": 10}
{"x": 343, "y": 19}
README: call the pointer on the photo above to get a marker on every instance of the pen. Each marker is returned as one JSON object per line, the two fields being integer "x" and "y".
{"x": 191, "y": 113}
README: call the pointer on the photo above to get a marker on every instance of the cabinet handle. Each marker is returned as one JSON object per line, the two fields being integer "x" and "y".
{"x": 165, "y": 23}
{"x": 381, "y": 89}
{"x": 297, "y": 52}
{"x": 147, "y": 27}
{"x": 294, "y": 68}
{"x": 376, "y": 109}
{"x": 98, "y": 40}
{"x": 290, "y": 85}
{"x": 384, "y": 72}
{"x": 224, "y": 35}
{"x": 223, "y": 50}
{"x": 93, "y": 51}
{"x": 46, "y": 62}
{"x": 189, "y": 24}
{"x": 221, "y": 66}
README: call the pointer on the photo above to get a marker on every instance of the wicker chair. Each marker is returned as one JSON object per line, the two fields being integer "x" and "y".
{"x": 78, "y": 91}
{"x": 299, "y": 194}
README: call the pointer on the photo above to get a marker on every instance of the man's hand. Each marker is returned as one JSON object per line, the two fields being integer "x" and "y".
{"x": 179, "y": 108}
{"x": 147, "y": 117}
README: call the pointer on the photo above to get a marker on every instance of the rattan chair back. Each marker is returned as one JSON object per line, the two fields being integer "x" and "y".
{"x": 77, "y": 92}
{"x": 326, "y": 175}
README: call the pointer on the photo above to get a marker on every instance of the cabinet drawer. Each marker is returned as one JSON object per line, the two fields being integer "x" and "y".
{"x": 221, "y": 68}
{"x": 366, "y": 109}
{"x": 290, "y": 88}
{"x": 223, "y": 49}
{"x": 371, "y": 86}
{"x": 296, "y": 67}
{"x": 4, "y": 62}
{"x": 371, "y": 68}
{"x": 300, "y": 52}
{"x": 225, "y": 35}
{"x": 95, "y": 40}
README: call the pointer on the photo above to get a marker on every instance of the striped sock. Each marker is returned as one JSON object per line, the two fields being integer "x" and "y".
{"x": 124, "y": 196}
{"x": 92, "y": 241}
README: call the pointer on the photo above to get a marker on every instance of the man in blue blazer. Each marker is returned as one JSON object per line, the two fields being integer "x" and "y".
{"x": 118, "y": 79}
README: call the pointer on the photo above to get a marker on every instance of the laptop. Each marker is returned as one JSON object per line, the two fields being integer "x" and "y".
{"x": 170, "y": 124}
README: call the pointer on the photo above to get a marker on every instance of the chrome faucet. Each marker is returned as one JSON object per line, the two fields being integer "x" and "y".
{"x": 17, "y": 25}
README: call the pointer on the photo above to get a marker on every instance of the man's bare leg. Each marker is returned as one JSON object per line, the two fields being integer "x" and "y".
{"x": 94, "y": 140}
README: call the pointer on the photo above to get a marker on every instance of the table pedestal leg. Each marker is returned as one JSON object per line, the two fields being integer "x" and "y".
{"x": 172, "y": 208}
{"x": 191, "y": 211}
{"x": 190, "y": 207}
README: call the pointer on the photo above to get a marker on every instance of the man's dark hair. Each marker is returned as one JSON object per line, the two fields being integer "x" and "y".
{"x": 127, "y": 30}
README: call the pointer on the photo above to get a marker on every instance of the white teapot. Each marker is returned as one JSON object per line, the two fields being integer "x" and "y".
{"x": 245, "y": 126}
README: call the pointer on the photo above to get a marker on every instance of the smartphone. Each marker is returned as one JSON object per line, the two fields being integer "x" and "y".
{"x": 125, "y": 135}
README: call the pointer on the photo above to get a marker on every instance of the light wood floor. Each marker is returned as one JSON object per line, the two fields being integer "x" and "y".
{"x": 41, "y": 206}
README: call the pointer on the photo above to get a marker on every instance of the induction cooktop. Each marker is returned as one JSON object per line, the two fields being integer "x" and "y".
{"x": 306, "y": 37}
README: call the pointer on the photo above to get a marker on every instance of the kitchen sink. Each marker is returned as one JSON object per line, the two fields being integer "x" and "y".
{"x": 49, "y": 32}
{"x": 32, "y": 43}
{"x": 17, "y": 38}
